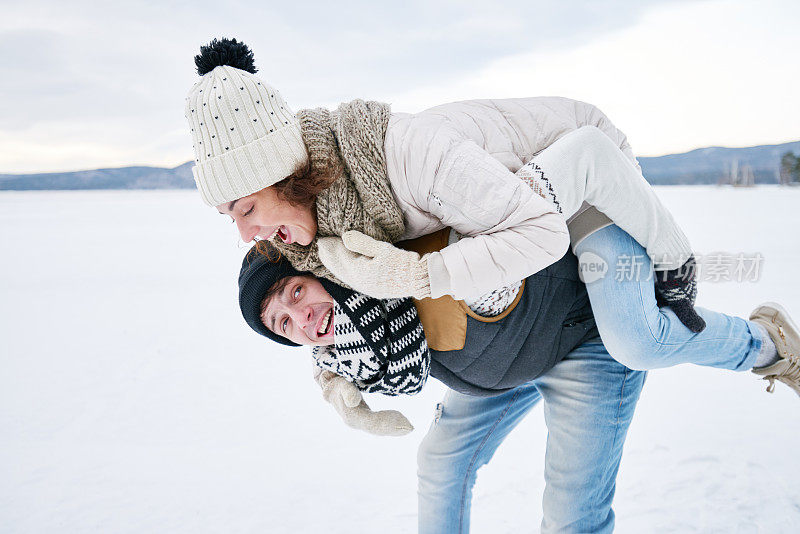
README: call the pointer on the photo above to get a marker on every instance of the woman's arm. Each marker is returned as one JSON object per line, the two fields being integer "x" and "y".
{"x": 437, "y": 173}
{"x": 512, "y": 231}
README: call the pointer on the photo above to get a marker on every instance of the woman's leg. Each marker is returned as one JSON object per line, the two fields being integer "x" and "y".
{"x": 463, "y": 436}
{"x": 589, "y": 400}
{"x": 639, "y": 334}
{"x": 586, "y": 166}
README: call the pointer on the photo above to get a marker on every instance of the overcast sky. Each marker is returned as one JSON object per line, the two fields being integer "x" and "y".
{"x": 97, "y": 84}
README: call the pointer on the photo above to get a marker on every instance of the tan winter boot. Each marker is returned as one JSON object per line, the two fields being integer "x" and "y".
{"x": 786, "y": 336}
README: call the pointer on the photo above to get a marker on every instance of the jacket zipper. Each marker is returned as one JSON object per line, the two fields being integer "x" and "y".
{"x": 439, "y": 202}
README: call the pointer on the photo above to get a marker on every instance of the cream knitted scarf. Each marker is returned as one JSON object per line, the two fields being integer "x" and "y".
{"x": 347, "y": 145}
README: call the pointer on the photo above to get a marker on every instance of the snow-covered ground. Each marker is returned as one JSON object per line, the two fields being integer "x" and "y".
{"x": 133, "y": 398}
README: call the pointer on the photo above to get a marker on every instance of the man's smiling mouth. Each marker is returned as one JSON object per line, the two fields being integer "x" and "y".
{"x": 327, "y": 323}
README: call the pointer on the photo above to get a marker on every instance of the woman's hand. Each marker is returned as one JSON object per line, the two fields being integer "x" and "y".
{"x": 376, "y": 268}
{"x": 350, "y": 405}
{"x": 677, "y": 288}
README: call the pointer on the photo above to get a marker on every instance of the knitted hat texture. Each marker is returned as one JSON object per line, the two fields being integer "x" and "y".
{"x": 245, "y": 135}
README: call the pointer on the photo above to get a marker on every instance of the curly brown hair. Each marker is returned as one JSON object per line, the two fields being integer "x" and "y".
{"x": 303, "y": 185}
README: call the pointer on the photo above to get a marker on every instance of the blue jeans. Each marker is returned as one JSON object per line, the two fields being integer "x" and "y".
{"x": 639, "y": 334}
{"x": 589, "y": 400}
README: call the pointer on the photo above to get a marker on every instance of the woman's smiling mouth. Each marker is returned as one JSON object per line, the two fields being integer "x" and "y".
{"x": 283, "y": 234}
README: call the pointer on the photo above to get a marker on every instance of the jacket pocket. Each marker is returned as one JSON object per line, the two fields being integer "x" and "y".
{"x": 572, "y": 334}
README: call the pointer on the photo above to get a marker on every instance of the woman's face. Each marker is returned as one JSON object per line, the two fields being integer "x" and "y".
{"x": 265, "y": 215}
{"x": 301, "y": 311}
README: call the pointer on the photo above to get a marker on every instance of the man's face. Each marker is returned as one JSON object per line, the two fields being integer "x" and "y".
{"x": 301, "y": 311}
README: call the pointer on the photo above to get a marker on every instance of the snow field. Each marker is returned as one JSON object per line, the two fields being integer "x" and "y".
{"x": 133, "y": 398}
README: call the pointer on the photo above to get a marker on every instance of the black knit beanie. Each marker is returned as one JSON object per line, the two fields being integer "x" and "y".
{"x": 259, "y": 272}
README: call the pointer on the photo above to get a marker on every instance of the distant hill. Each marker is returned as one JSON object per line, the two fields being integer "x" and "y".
{"x": 702, "y": 166}
{"x": 120, "y": 178}
{"x": 713, "y": 164}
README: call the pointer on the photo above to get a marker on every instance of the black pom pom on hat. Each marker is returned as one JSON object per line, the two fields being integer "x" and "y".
{"x": 224, "y": 51}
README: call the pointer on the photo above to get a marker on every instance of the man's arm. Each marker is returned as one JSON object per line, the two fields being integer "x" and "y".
{"x": 349, "y": 404}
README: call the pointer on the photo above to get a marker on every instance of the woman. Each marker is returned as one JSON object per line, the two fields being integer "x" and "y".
{"x": 400, "y": 176}
{"x": 395, "y": 176}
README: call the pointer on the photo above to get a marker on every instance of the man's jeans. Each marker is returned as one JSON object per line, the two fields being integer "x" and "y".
{"x": 589, "y": 400}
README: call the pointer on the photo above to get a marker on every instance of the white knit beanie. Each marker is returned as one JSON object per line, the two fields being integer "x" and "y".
{"x": 245, "y": 135}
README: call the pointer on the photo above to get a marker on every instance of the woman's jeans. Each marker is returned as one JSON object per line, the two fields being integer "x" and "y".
{"x": 639, "y": 334}
{"x": 589, "y": 399}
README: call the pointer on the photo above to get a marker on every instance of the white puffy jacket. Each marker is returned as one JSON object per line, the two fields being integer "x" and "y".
{"x": 454, "y": 164}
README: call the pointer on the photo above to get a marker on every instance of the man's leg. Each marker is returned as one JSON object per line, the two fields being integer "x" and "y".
{"x": 464, "y": 435}
{"x": 641, "y": 335}
{"x": 589, "y": 400}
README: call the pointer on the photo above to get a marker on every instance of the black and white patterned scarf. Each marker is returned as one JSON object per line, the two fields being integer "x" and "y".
{"x": 379, "y": 344}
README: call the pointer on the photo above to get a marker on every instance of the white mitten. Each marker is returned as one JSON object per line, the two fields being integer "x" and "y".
{"x": 348, "y": 402}
{"x": 376, "y": 268}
